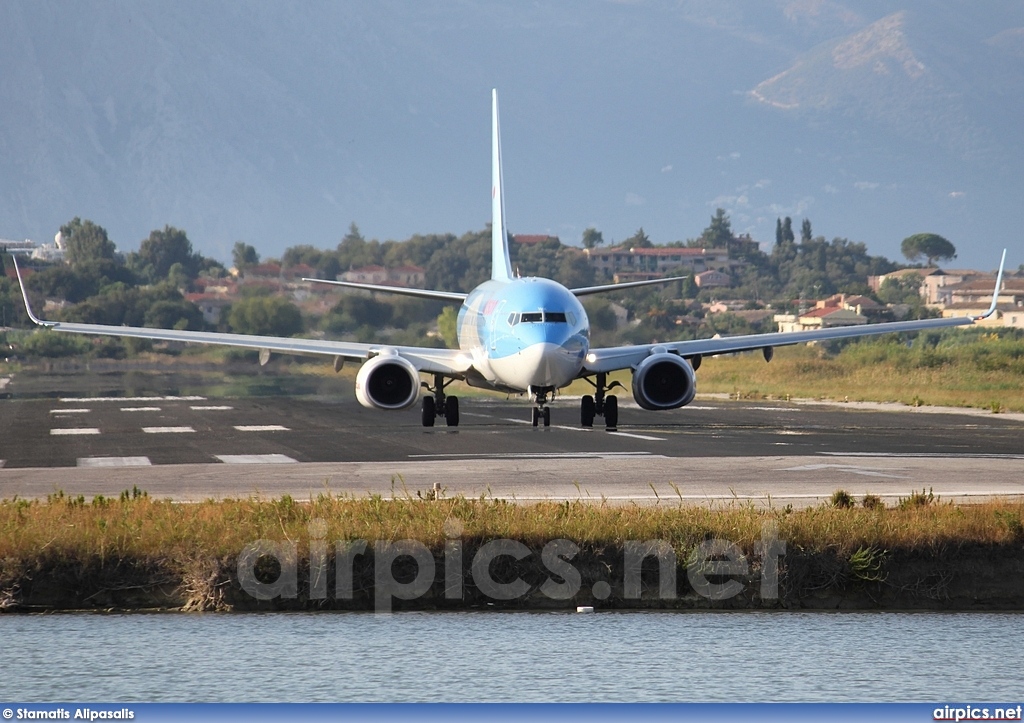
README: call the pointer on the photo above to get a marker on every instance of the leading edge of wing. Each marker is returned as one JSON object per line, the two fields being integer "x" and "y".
{"x": 403, "y": 290}
{"x": 426, "y": 359}
{"x": 613, "y": 358}
{"x": 605, "y": 288}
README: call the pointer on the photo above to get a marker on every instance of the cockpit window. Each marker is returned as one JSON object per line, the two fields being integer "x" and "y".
{"x": 536, "y": 317}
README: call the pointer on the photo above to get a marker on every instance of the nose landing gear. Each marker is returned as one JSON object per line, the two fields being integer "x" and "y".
{"x": 439, "y": 405}
{"x": 541, "y": 411}
{"x": 599, "y": 404}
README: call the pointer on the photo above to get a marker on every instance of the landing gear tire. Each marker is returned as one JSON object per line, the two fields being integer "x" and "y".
{"x": 547, "y": 417}
{"x": 535, "y": 417}
{"x": 587, "y": 411}
{"x": 451, "y": 411}
{"x": 429, "y": 411}
{"x": 611, "y": 412}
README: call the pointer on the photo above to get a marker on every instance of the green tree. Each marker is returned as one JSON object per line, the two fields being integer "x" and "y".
{"x": 85, "y": 242}
{"x": 927, "y": 245}
{"x": 447, "y": 325}
{"x": 805, "y": 231}
{"x": 718, "y": 234}
{"x": 179, "y": 314}
{"x": 592, "y": 238}
{"x": 158, "y": 253}
{"x": 639, "y": 240}
{"x": 787, "y": 230}
{"x": 243, "y": 255}
{"x": 906, "y": 290}
{"x": 266, "y": 316}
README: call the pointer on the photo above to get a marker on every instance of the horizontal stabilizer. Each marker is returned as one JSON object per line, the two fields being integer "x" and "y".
{"x": 403, "y": 290}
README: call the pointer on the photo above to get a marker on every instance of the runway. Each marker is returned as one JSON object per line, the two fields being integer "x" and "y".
{"x": 196, "y": 447}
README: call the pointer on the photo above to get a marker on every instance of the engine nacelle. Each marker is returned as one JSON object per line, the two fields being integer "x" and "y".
{"x": 388, "y": 381}
{"x": 664, "y": 381}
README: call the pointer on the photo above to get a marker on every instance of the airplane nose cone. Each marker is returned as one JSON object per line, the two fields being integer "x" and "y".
{"x": 542, "y": 364}
{"x": 539, "y": 363}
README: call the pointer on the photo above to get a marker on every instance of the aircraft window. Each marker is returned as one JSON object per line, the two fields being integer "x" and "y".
{"x": 555, "y": 316}
{"x": 571, "y": 318}
{"x": 513, "y": 319}
{"x": 532, "y": 317}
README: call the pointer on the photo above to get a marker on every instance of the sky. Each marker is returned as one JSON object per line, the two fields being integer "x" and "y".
{"x": 281, "y": 124}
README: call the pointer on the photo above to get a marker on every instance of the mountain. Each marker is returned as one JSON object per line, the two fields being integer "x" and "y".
{"x": 281, "y": 124}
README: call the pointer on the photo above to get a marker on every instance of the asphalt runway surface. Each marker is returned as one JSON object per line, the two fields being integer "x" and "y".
{"x": 197, "y": 447}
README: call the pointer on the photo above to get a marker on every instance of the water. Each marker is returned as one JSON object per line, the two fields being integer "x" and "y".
{"x": 636, "y": 656}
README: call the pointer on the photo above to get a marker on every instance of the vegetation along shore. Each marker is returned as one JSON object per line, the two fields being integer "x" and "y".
{"x": 412, "y": 552}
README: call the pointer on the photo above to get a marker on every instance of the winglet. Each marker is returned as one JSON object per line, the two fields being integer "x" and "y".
{"x": 501, "y": 267}
{"x": 24, "y": 295}
{"x": 995, "y": 292}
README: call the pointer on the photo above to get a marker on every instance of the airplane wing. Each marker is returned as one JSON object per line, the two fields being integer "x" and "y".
{"x": 622, "y": 357}
{"x": 603, "y": 288}
{"x": 402, "y": 290}
{"x": 614, "y": 358}
{"x": 450, "y": 362}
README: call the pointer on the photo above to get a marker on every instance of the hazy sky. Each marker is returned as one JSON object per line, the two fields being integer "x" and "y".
{"x": 280, "y": 124}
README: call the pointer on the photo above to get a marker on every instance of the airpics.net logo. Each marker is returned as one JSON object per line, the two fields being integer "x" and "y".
{"x": 716, "y": 569}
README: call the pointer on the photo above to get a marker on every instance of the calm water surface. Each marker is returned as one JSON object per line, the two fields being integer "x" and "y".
{"x": 646, "y": 656}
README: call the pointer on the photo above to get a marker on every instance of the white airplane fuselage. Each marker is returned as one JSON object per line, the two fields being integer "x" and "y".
{"x": 524, "y": 333}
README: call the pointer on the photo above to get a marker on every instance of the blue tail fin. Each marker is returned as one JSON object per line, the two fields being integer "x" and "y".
{"x": 501, "y": 267}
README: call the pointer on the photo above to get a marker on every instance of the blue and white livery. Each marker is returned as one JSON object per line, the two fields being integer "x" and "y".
{"x": 517, "y": 335}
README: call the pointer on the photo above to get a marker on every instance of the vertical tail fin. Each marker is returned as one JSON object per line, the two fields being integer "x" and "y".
{"x": 501, "y": 267}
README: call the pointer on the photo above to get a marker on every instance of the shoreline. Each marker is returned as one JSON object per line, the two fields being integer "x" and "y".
{"x": 462, "y": 554}
{"x": 977, "y": 578}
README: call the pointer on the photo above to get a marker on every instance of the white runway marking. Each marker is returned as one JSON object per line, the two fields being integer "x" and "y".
{"x": 70, "y": 411}
{"x": 261, "y": 428}
{"x": 167, "y": 430}
{"x": 255, "y": 458}
{"x": 210, "y": 408}
{"x": 539, "y": 455}
{"x": 133, "y": 399}
{"x": 638, "y": 436}
{"x": 972, "y": 455}
{"x": 68, "y": 432}
{"x": 114, "y": 462}
{"x": 140, "y": 409}
{"x": 864, "y": 471}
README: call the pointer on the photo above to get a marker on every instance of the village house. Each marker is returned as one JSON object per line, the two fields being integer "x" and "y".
{"x": 712, "y": 279}
{"x": 934, "y": 281}
{"x": 654, "y": 262}
{"x": 413, "y": 277}
{"x": 974, "y": 296}
{"x": 211, "y": 305}
{"x": 828, "y": 313}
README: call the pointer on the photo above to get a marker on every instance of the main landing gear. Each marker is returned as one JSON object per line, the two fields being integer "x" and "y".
{"x": 440, "y": 405}
{"x": 541, "y": 411}
{"x": 599, "y": 404}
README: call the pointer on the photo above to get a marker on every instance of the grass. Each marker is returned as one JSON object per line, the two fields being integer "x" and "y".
{"x": 135, "y": 526}
{"x": 986, "y": 373}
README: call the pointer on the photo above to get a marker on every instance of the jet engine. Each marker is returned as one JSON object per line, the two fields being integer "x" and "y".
{"x": 664, "y": 381}
{"x": 388, "y": 381}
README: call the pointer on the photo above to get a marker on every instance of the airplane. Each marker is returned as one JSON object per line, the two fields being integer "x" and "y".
{"x": 516, "y": 335}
